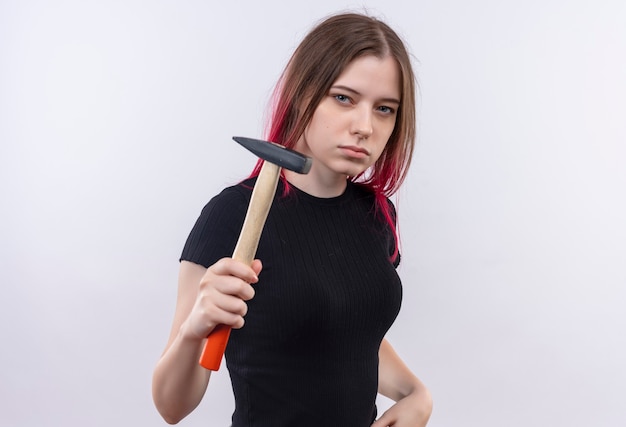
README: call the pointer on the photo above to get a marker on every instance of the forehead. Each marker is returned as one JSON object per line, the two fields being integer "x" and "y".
{"x": 372, "y": 76}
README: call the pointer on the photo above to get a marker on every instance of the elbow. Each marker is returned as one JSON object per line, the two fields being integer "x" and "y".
{"x": 176, "y": 395}
{"x": 170, "y": 419}
{"x": 171, "y": 414}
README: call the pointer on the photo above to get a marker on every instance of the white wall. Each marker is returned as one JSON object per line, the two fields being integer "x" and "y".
{"x": 115, "y": 126}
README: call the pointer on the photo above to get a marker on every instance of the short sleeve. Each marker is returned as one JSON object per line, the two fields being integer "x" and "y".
{"x": 215, "y": 233}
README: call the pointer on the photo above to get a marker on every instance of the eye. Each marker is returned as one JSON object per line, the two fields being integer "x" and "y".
{"x": 386, "y": 110}
{"x": 342, "y": 98}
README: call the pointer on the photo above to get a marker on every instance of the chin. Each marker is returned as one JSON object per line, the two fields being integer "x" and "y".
{"x": 354, "y": 172}
{"x": 348, "y": 173}
{"x": 351, "y": 170}
{"x": 348, "y": 168}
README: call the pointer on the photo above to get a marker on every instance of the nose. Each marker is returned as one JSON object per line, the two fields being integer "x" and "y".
{"x": 362, "y": 122}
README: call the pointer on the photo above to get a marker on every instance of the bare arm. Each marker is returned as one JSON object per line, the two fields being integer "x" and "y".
{"x": 177, "y": 373}
{"x": 396, "y": 381}
{"x": 206, "y": 298}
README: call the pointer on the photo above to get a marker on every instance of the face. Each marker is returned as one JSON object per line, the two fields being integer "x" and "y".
{"x": 352, "y": 124}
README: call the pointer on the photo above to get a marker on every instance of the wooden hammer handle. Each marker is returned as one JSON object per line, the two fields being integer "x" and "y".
{"x": 260, "y": 203}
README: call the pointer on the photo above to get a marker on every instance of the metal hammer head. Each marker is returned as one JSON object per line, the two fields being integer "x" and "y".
{"x": 277, "y": 154}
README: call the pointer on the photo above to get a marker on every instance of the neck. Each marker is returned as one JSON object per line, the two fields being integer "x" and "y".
{"x": 316, "y": 185}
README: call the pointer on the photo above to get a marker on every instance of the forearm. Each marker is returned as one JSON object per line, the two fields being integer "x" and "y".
{"x": 179, "y": 382}
{"x": 396, "y": 381}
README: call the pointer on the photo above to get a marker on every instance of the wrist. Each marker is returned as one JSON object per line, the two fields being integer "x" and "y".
{"x": 188, "y": 335}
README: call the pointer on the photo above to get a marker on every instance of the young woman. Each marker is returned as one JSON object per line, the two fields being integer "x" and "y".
{"x": 310, "y": 315}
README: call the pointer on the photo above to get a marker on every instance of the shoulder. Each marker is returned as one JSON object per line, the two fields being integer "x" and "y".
{"x": 232, "y": 198}
{"x": 384, "y": 214}
{"x": 215, "y": 231}
{"x": 226, "y": 211}
{"x": 368, "y": 197}
{"x": 362, "y": 192}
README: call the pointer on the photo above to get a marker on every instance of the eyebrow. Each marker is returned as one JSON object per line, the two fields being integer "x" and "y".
{"x": 356, "y": 92}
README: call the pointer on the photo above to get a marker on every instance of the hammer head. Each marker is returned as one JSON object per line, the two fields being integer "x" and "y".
{"x": 277, "y": 154}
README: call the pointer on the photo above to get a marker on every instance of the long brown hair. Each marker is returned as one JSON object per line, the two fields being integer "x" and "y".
{"x": 316, "y": 64}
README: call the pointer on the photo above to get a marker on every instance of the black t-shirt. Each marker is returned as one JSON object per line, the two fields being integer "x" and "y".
{"x": 328, "y": 293}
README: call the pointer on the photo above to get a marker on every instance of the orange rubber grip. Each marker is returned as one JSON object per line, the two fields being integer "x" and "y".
{"x": 215, "y": 347}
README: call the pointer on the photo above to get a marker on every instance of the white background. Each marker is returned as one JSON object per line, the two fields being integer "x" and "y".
{"x": 115, "y": 127}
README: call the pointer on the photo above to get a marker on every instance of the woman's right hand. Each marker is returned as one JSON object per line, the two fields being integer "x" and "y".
{"x": 221, "y": 297}
{"x": 206, "y": 298}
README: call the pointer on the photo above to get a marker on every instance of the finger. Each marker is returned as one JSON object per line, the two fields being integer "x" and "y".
{"x": 224, "y": 317}
{"x": 257, "y": 266}
{"x": 236, "y": 287}
{"x": 219, "y": 308}
{"x": 231, "y": 267}
{"x": 218, "y": 279}
{"x": 232, "y": 304}
{"x": 383, "y": 421}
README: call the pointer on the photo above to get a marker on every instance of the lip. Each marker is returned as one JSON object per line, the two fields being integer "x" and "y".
{"x": 354, "y": 151}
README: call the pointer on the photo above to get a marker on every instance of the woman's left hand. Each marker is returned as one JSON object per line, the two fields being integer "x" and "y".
{"x": 411, "y": 411}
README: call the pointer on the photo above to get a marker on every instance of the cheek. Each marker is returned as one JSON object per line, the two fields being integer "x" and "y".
{"x": 389, "y": 127}
{"x": 325, "y": 118}
{"x": 315, "y": 125}
{"x": 378, "y": 154}
{"x": 381, "y": 148}
{"x": 321, "y": 123}
{"x": 385, "y": 127}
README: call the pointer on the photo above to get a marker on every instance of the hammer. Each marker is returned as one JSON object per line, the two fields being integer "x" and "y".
{"x": 275, "y": 157}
